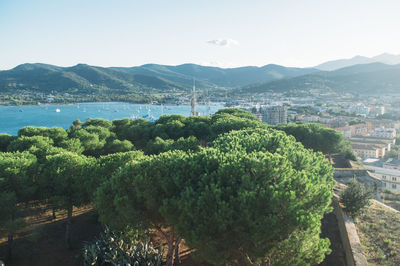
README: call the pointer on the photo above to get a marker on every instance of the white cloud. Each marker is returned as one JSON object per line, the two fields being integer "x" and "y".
{"x": 223, "y": 42}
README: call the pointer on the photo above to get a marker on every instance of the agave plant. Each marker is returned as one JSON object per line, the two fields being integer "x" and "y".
{"x": 111, "y": 249}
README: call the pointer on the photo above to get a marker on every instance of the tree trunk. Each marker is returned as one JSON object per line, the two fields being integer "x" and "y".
{"x": 170, "y": 238}
{"x": 242, "y": 259}
{"x": 54, "y": 213}
{"x": 10, "y": 241}
{"x": 177, "y": 260}
{"x": 265, "y": 263}
{"x": 170, "y": 254}
{"x": 68, "y": 228}
{"x": 9, "y": 246}
{"x": 244, "y": 262}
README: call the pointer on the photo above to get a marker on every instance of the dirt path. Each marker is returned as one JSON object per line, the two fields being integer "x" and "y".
{"x": 42, "y": 243}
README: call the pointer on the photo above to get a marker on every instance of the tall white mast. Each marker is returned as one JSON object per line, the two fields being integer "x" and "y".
{"x": 193, "y": 103}
{"x": 208, "y": 104}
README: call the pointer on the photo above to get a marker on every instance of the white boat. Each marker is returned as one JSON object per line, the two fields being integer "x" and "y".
{"x": 58, "y": 110}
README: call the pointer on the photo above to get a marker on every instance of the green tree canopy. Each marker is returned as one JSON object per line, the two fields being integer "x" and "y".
{"x": 90, "y": 141}
{"x": 24, "y": 143}
{"x": 116, "y": 145}
{"x": 98, "y": 123}
{"x": 229, "y": 202}
{"x": 16, "y": 186}
{"x": 317, "y": 137}
{"x": 63, "y": 180}
{"x": 138, "y": 132}
{"x": 72, "y": 145}
{"x": 17, "y": 174}
{"x": 236, "y": 112}
{"x": 184, "y": 144}
{"x": 57, "y": 134}
{"x": 223, "y": 123}
{"x": 5, "y": 140}
{"x": 102, "y": 132}
{"x": 106, "y": 166}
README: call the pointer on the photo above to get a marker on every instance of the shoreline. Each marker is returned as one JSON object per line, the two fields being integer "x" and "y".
{"x": 62, "y": 115}
{"x": 142, "y": 103}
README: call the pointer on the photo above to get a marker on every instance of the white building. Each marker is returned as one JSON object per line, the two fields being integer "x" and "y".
{"x": 359, "y": 109}
{"x": 384, "y": 133}
{"x": 274, "y": 115}
{"x": 390, "y": 177}
{"x": 392, "y": 163}
{"x": 378, "y": 110}
{"x": 368, "y": 150}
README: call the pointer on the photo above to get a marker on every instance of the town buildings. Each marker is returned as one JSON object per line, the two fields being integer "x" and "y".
{"x": 362, "y": 129}
{"x": 363, "y": 150}
{"x": 385, "y": 133}
{"x": 390, "y": 177}
{"x": 360, "y": 109}
{"x": 274, "y": 115}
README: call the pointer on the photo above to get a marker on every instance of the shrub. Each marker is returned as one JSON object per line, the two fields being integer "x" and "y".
{"x": 111, "y": 249}
{"x": 349, "y": 155}
{"x": 355, "y": 197}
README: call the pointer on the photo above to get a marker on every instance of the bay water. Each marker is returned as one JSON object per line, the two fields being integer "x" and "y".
{"x": 13, "y": 118}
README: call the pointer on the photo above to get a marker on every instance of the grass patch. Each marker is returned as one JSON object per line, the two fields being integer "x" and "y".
{"x": 391, "y": 199}
{"x": 379, "y": 232}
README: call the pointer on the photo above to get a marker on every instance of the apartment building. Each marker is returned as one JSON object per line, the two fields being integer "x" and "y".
{"x": 274, "y": 115}
{"x": 390, "y": 177}
{"x": 369, "y": 150}
{"x": 388, "y": 143}
{"x": 355, "y": 130}
{"x": 385, "y": 133}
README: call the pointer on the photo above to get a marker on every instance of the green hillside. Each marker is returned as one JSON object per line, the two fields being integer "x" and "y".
{"x": 367, "y": 78}
{"x": 79, "y": 79}
{"x": 92, "y": 83}
{"x": 222, "y": 77}
{"x": 85, "y": 78}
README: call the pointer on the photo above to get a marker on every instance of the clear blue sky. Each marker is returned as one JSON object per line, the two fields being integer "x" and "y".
{"x": 209, "y": 32}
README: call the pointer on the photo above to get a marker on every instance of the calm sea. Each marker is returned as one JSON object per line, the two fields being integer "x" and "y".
{"x": 13, "y": 118}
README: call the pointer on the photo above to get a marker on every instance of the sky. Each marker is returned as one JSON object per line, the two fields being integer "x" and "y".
{"x": 224, "y": 33}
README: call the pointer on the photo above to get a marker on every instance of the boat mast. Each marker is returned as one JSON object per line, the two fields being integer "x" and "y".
{"x": 193, "y": 102}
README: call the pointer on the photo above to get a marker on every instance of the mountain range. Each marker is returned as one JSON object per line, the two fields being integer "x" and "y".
{"x": 373, "y": 78}
{"x": 146, "y": 79}
{"x": 385, "y": 58}
{"x": 360, "y": 77}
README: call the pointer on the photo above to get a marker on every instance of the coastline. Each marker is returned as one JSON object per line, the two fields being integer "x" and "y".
{"x": 15, "y": 117}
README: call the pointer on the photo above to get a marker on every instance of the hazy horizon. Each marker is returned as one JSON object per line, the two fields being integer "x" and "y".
{"x": 224, "y": 34}
{"x": 150, "y": 63}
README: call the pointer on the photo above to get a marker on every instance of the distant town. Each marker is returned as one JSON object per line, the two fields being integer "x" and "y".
{"x": 369, "y": 123}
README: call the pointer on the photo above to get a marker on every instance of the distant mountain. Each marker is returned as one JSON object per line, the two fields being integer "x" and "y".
{"x": 150, "y": 78}
{"x": 385, "y": 58}
{"x": 207, "y": 76}
{"x": 78, "y": 79}
{"x": 374, "y": 78}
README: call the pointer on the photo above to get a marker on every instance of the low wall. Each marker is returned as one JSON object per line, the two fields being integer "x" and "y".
{"x": 348, "y": 233}
{"x": 367, "y": 179}
{"x": 349, "y": 172}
